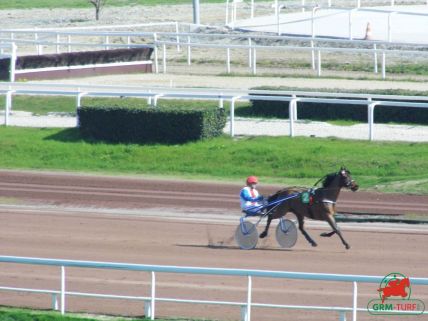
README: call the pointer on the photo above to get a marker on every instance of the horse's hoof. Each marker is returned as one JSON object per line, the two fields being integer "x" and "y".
{"x": 347, "y": 246}
{"x": 263, "y": 235}
{"x": 314, "y": 244}
{"x": 325, "y": 234}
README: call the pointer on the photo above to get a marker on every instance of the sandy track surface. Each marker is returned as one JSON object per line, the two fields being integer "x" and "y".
{"x": 122, "y": 219}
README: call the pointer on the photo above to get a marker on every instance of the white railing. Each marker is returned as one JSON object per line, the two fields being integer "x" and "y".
{"x": 8, "y": 50}
{"x": 151, "y": 299}
{"x": 153, "y": 94}
{"x": 232, "y": 6}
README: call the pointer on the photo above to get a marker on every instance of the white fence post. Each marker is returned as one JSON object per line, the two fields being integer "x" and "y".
{"x": 54, "y": 302}
{"x": 69, "y": 43}
{"x": 249, "y": 53}
{"x": 12, "y": 63}
{"x": 390, "y": 26}
{"x": 249, "y": 298}
{"x": 254, "y": 61}
{"x": 227, "y": 12}
{"x": 375, "y": 58}
{"x": 232, "y": 117}
{"x": 354, "y": 308}
{"x": 107, "y": 42}
{"x": 319, "y": 63}
{"x": 370, "y": 112}
{"x": 252, "y": 9}
{"x": 57, "y": 43}
{"x": 153, "y": 297}
{"x": 312, "y": 55}
{"x": 62, "y": 290}
{"x": 156, "y": 52}
{"x": 303, "y": 5}
{"x": 164, "y": 58}
{"x": 8, "y": 107}
{"x": 292, "y": 114}
{"x": 358, "y": 3}
{"x": 189, "y": 52}
{"x": 177, "y": 37}
{"x": 342, "y": 316}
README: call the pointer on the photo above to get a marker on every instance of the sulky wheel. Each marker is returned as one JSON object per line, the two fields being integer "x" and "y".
{"x": 286, "y": 233}
{"x": 246, "y": 235}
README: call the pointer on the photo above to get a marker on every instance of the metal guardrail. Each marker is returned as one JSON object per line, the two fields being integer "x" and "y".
{"x": 153, "y": 94}
{"x": 150, "y": 301}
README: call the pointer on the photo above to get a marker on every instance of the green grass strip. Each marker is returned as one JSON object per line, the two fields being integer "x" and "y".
{"x": 275, "y": 159}
{"x": 17, "y": 314}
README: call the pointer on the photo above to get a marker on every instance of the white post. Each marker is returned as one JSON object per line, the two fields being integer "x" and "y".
{"x": 57, "y": 43}
{"x": 249, "y": 298}
{"x": 276, "y": 7}
{"x": 62, "y": 290}
{"x": 164, "y": 58}
{"x": 375, "y": 58}
{"x": 12, "y": 63}
{"x": 69, "y": 43}
{"x": 342, "y": 316}
{"x": 232, "y": 117}
{"x": 189, "y": 52}
{"x": 291, "y": 109}
{"x": 156, "y": 52}
{"x": 358, "y": 3}
{"x": 36, "y": 37}
{"x": 249, "y": 53}
{"x": 392, "y": 3}
{"x": 319, "y": 63}
{"x": 312, "y": 55}
{"x": 303, "y": 5}
{"x": 227, "y": 12}
{"x": 329, "y": 3}
{"x": 221, "y": 101}
{"x": 153, "y": 297}
{"x": 313, "y": 22}
{"x": 228, "y": 60}
{"x": 254, "y": 61}
{"x": 277, "y": 22}
{"x": 8, "y": 107}
{"x": 252, "y": 9}
{"x": 177, "y": 37}
{"x": 54, "y": 302}
{"x": 128, "y": 41}
{"x": 383, "y": 65}
{"x": 370, "y": 112}
{"x": 107, "y": 42}
{"x": 354, "y": 309}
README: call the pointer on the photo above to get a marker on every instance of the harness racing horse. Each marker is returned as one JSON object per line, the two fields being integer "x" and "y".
{"x": 321, "y": 204}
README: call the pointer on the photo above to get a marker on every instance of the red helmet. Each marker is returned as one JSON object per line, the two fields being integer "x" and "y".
{"x": 252, "y": 180}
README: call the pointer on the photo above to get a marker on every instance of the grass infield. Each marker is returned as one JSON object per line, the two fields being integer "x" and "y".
{"x": 400, "y": 167}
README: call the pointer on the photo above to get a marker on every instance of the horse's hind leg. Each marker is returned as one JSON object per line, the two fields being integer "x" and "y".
{"x": 330, "y": 220}
{"x": 328, "y": 234}
{"x": 305, "y": 234}
{"x": 265, "y": 232}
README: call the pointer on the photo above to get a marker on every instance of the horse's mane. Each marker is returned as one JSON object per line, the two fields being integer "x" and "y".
{"x": 328, "y": 179}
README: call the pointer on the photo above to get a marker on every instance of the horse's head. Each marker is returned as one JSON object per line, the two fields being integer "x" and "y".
{"x": 346, "y": 180}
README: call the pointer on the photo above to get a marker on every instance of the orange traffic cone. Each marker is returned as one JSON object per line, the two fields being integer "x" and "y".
{"x": 369, "y": 33}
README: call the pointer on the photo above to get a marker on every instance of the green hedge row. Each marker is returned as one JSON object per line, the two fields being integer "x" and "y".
{"x": 150, "y": 124}
{"x": 326, "y": 111}
{"x": 75, "y": 59}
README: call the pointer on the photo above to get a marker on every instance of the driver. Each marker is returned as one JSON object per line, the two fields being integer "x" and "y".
{"x": 249, "y": 195}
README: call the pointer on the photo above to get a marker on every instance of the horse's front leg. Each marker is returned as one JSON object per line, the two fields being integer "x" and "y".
{"x": 301, "y": 222}
{"x": 265, "y": 232}
{"x": 332, "y": 222}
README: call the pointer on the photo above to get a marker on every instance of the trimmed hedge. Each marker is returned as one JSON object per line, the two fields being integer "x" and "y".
{"x": 325, "y": 111}
{"x": 75, "y": 59}
{"x": 150, "y": 124}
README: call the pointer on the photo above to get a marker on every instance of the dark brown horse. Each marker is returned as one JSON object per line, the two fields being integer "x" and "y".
{"x": 317, "y": 204}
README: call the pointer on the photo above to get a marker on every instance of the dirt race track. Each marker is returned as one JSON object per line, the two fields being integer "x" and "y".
{"x": 128, "y": 220}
